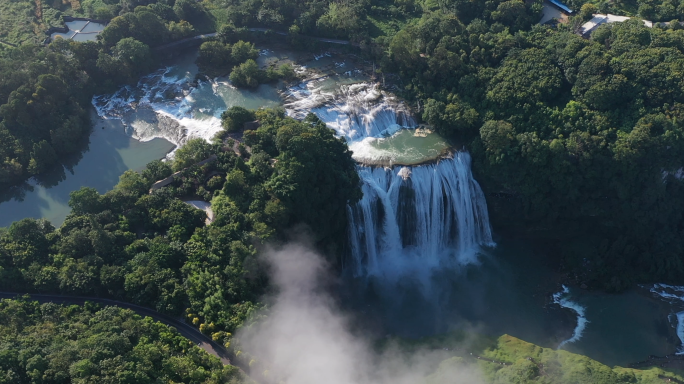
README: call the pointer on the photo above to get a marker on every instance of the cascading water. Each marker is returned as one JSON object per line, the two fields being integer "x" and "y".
{"x": 416, "y": 219}
{"x": 160, "y": 105}
{"x": 170, "y": 104}
{"x": 354, "y": 111}
{"x": 675, "y": 296}
{"x": 410, "y": 219}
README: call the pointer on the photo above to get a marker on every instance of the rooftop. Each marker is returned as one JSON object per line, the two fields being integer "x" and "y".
{"x": 598, "y": 19}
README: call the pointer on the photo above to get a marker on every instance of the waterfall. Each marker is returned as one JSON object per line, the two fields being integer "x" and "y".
{"x": 354, "y": 111}
{"x": 415, "y": 219}
{"x": 163, "y": 104}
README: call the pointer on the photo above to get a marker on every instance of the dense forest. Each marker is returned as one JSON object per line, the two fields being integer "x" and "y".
{"x": 52, "y": 343}
{"x": 575, "y": 140}
{"x": 45, "y": 91}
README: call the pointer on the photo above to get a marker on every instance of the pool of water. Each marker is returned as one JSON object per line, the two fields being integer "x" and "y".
{"x": 624, "y": 328}
{"x": 172, "y": 104}
{"x": 406, "y": 147}
{"x": 110, "y": 153}
{"x": 80, "y": 30}
{"x": 510, "y": 292}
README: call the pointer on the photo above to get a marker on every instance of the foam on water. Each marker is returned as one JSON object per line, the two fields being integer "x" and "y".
{"x": 674, "y": 295}
{"x": 355, "y": 111}
{"x": 561, "y": 298}
{"x": 169, "y": 105}
{"x": 160, "y": 105}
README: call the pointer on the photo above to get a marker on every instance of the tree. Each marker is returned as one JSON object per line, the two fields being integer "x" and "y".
{"x": 512, "y": 13}
{"x": 339, "y": 20}
{"x": 132, "y": 182}
{"x": 235, "y": 118}
{"x": 246, "y": 75}
{"x": 242, "y": 51}
{"x": 587, "y": 11}
{"x": 156, "y": 170}
{"x": 516, "y": 86}
{"x": 43, "y": 157}
{"x": 133, "y": 54}
{"x": 194, "y": 151}
{"x": 498, "y": 138}
{"x": 187, "y": 10}
{"x": 85, "y": 200}
{"x": 214, "y": 58}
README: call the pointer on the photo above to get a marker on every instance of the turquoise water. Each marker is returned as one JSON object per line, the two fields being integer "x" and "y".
{"x": 403, "y": 148}
{"x": 110, "y": 153}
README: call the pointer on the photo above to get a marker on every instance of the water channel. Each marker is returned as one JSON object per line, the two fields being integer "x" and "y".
{"x": 411, "y": 278}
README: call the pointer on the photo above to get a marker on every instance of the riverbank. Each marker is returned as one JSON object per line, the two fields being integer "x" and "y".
{"x": 109, "y": 152}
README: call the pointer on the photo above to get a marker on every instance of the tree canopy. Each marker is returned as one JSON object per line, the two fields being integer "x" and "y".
{"x": 52, "y": 343}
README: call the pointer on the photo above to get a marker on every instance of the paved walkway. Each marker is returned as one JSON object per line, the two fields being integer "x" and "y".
{"x": 199, "y": 38}
{"x": 191, "y": 333}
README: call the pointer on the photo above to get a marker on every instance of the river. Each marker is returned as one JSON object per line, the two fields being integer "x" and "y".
{"x": 436, "y": 266}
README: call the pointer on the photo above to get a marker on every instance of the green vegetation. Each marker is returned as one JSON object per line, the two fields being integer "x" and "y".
{"x": 45, "y": 92}
{"x": 235, "y": 118}
{"x": 216, "y": 58}
{"x": 532, "y": 364}
{"x": 527, "y": 363}
{"x": 51, "y": 343}
{"x": 578, "y": 140}
{"x": 154, "y": 250}
{"x": 578, "y": 144}
{"x": 653, "y": 10}
{"x": 17, "y": 22}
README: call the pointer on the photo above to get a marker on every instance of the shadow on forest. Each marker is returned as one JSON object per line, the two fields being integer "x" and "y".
{"x": 106, "y": 154}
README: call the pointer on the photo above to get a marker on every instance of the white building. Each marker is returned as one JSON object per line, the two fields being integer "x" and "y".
{"x": 598, "y": 19}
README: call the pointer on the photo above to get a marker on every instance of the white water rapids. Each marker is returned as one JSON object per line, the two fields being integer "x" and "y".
{"x": 355, "y": 111}
{"x": 160, "y": 105}
{"x": 562, "y": 298}
{"x": 674, "y": 295}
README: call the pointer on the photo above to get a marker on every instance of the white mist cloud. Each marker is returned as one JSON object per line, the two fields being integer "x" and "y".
{"x": 306, "y": 340}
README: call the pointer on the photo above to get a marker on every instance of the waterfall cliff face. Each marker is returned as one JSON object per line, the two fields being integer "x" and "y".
{"x": 415, "y": 219}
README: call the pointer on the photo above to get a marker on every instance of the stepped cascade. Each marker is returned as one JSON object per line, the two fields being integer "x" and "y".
{"x": 411, "y": 218}
{"x": 355, "y": 111}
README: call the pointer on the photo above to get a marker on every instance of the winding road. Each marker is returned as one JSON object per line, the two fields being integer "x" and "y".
{"x": 191, "y": 333}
